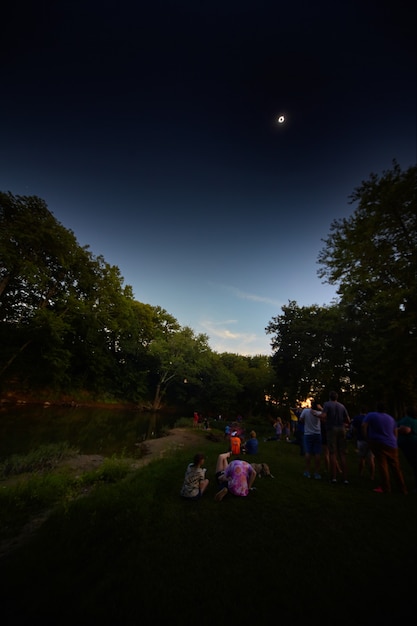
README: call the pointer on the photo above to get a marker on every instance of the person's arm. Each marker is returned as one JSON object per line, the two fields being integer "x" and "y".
{"x": 404, "y": 430}
{"x": 251, "y": 478}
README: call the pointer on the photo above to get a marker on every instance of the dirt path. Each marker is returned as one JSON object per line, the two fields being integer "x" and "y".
{"x": 177, "y": 438}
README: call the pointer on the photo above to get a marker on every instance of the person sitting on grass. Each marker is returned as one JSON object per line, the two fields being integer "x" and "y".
{"x": 195, "y": 481}
{"x": 235, "y": 443}
{"x": 251, "y": 445}
{"x": 236, "y": 477}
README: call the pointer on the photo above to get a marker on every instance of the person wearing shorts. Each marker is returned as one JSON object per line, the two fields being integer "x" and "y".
{"x": 336, "y": 417}
{"x": 312, "y": 439}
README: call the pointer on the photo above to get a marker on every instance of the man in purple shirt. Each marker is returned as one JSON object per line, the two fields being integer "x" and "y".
{"x": 380, "y": 429}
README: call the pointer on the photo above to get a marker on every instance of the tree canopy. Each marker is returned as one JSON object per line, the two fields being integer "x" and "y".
{"x": 68, "y": 323}
{"x": 365, "y": 344}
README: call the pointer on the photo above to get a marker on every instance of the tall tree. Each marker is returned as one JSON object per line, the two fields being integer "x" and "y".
{"x": 372, "y": 257}
{"x": 60, "y": 307}
{"x": 310, "y": 347}
{"x": 177, "y": 354}
{"x": 42, "y": 272}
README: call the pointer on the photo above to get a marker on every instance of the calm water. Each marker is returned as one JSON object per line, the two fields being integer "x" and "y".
{"x": 91, "y": 431}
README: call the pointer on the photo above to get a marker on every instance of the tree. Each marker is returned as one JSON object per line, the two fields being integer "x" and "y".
{"x": 177, "y": 354}
{"x": 43, "y": 273}
{"x": 60, "y": 307}
{"x": 310, "y": 352}
{"x": 255, "y": 376}
{"x": 372, "y": 257}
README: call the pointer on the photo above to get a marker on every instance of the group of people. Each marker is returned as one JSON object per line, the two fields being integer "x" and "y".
{"x": 377, "y": 435}
{"x": 232, "y": 476}
{"x": 282, "y": 430}
{"x": 378, "y": 438}
{"x": 238, "y": 443}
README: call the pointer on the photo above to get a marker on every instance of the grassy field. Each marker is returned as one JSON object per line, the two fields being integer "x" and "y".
{"x": 133, "y": 551}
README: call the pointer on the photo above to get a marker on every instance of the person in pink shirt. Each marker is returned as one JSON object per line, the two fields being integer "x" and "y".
{"x": 236, "y": 477}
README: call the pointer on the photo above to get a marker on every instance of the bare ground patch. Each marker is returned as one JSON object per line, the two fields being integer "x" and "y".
{"x": 152, "y": 449}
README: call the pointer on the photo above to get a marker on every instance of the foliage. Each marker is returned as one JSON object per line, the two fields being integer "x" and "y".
{"x": 364, "y": 343}
{"x": 111, "y": 470}
{"x": 44, "y": 485}
{"x": 310, "y": 352}
{"x": 68, "y": 323}
{"x": 45, "y": 457}
{"x": 372, "y": 256}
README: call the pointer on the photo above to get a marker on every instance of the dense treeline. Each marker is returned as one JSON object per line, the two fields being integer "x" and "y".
{"x": 69, "y": 324}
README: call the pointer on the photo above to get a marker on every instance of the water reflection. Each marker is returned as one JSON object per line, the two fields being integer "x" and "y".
{"x": 91, "y": 430}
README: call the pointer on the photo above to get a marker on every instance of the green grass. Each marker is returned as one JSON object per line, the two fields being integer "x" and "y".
{"x": 45, "y": 457}
{"x": 133, "y": 552}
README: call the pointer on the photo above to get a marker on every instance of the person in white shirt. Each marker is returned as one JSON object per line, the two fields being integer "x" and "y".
{"x": 312, "y": 439}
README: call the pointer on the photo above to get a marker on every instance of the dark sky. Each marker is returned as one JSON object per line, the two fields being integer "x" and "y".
{"x": 150, "y": 131}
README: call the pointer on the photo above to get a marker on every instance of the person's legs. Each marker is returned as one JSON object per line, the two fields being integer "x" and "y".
{"x": 220, "y": 494}
{"x": 394, "y": 463}
{"x": 316, "y": 453}
{"x": 222, "y": 461}
{"x": 252, "y": 477}
{"x": 409, "y": 450}
{"x": 331, "y": 444}
{"x": 360, "y": 446}
{"x": 343, "y": 464}
{"x": 333, "y": 465}
{"x": 371, "y": 462}
{"x": 341, "y": 445}
{"x": 325, "y": 451}
{"x": 381, "y": 461}
{"x": 307, "y": 458}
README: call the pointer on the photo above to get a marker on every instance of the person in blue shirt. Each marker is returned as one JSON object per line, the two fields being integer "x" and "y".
{"x": 251, "y": 445}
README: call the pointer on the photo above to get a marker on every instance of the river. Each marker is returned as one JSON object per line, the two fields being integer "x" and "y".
{"x": 89, "y": 430}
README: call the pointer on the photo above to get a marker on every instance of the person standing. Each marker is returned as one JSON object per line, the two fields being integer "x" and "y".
{"x": 336, "y": 418}
{"x": 195, "y": 481}
{"x": 365, "y": 454}
{"x": 380, "y": 430}
{"x": 278, "y": 429}
{"x": 312, "y": 439}
{"x": 407, "y": 439}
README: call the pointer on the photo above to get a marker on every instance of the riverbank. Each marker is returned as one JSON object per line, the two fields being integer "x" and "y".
{"x": 175, "y": 439}
{"x": 124, "y": 552}
{"x": 10, "y": 400}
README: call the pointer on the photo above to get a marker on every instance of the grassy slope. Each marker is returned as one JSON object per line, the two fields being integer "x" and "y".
{"x": 295, "y": 548}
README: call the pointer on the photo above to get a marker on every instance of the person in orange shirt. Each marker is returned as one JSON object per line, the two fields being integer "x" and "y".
{"x": 235, "y": 443}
